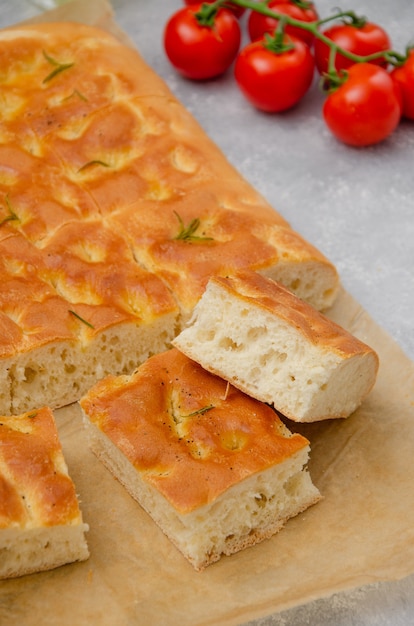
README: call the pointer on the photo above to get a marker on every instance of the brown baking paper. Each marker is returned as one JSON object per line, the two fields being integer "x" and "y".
{"x": 361, "y": 532}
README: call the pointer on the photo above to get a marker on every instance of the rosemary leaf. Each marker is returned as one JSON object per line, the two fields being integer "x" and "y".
{"x": 77, "y": 93}
{"x": 201, "y": 411}
{"x": 59, "y": 67}
{"x": 80, "y": 318}
{"x": 8, "y": 218}
{"x": 94, "y": 162}
{"x": 50, "y": 59}
{"x": 186, "y": 233}
{"x": 12, "y": 215}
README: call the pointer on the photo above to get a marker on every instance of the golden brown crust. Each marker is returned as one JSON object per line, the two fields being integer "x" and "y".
{"x": 226, "y": 240}
{"x": 280, "y": 302}
{"x": 34, "y": 484}
{"x": 190, "y": 434}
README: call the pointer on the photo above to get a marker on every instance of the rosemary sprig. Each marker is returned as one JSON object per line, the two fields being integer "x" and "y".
{"x": 81, "y": 318}
{"x": 12, "y": 215}
{"x": 94, "y": 162}
{"x": 58, "y": 67}
{"x": 186, "y": 233}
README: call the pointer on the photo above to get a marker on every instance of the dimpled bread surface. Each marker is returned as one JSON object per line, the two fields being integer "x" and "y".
{"x": 217, "y": 470}
{"x": 115, "y": 210}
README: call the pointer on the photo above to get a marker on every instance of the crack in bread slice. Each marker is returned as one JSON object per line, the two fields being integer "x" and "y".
{"x": 270, "y": 344}
{"x": 217, "y": 470}
{"x": 41, "y": 525}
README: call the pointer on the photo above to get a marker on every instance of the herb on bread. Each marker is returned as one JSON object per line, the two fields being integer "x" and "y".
{"x": 81, "y": 319}
{"x": 91, "y": 163}
{"x": 187, "y": 233}
{"x": 58, "y": 67}
{"x": 12, "y": 215}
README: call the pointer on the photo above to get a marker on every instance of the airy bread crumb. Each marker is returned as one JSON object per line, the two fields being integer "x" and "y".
{"x": 270, "y": 344}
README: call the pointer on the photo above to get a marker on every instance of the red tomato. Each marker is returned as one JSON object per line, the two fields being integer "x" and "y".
{"x": 274, "y": 81}
{"x": 238, "y": 11}
{"x": 365, "y": 108}
{"x": 403, "y": 76}
{"x": 361, "y": 40}
{"x": 259, "y": 24}
{"x": 198, "y": 51}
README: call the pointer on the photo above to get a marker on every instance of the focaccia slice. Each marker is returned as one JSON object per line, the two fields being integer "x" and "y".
{"x": 269, "y": 343}
{"x": 217, "y": 470}
{"x": 41, "y": 524}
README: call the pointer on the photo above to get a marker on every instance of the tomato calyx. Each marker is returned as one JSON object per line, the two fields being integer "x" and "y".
{"x": 206, "y": 14}
{"x": 331, "y": 81}
{"x": 278, "y": 43}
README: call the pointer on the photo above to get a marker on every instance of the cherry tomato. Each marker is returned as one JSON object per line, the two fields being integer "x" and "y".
{"x": 259, "y": 24}
{"x": 238, "y": 11}
{"x": 366, "y": 108}
{"x": 274, "y": 81}
{"x": 403, "y": 76}
{"x": 361, "y": 40}
{"x": 198, "y": 50}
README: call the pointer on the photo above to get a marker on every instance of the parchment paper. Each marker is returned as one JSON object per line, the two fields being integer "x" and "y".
{"x": 362, "y": 531}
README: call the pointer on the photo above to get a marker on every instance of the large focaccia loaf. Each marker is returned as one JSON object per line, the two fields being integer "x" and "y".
{"x": 41, "y": 524}
{"x": 115, "y": 210}
{"x": 217, "y": 470}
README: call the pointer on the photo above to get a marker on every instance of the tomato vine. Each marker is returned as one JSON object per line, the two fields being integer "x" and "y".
{"x": 275, "y": 62}
{"x": 349, "y": 17}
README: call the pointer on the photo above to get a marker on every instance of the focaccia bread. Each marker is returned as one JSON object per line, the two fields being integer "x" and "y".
{"x": 115, "y": 210}
{"x": 216, "y": 470}
{"x": 270, "y": 344}
{"x": 41, "y": 523}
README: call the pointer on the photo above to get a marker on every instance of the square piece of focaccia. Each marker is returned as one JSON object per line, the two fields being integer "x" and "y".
{"x": 277, "y": 348}
{"x": 41, "y": 523}
{"x": 217, "y": 470}
{"x": 115, "y": 210}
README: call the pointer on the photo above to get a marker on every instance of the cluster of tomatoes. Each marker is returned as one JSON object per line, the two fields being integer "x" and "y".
{"x": 368, "y": 87}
